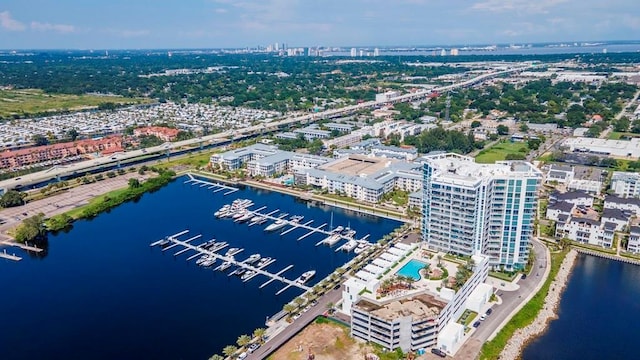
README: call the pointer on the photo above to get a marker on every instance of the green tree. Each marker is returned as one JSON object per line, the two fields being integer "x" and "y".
{"x": 259, "y": 333}
{"x": 12, "y": 198}
{"x": 134, "y": 183}
{"x": 533, "y": 144}
{"x": 32, "y": 228}
{"x": 39, "y": 140}
{"x": 289, "y": 308}
{"x": 502, "y": 130}
{"x": 72, "y": 134}
{"x": 229, "y": 350}
{"x": 524, "y": 127}
{"x": 243, "y": 340}
{"x": 216, "y": 357}
{"x": 475, "y": 124}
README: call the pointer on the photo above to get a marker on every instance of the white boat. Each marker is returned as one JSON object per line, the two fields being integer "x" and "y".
{"x": 223, "y": 210}
{"x": 203, "y": 259}
{"x": 279, "y": 224}
{"x": 164, "y": 242}
{"x": 362, "y": 246}
{"x": 256, "y": 219}
{"x": 337, "y": 230}
{"x": 209, "y": 244}
{"x": 238, "y": 214}
{"x": 349, "y": 245}
{"x": 264, "y": 261}
{"x": 296, "y": 219}
{"x": 209, "y": 262}
{"x": 252, "y": 259}
{"x": 306, "y": 277}
{"x": 225, "y": 265}
{"x": 232, "y": 251}
{"x": 245, "y": 217}
{"x": 248, "y": 275}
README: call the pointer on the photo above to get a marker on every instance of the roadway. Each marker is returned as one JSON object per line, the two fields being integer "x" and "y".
{"x": 275, "y": 341}
{"x": 510, "y": 301}
{"x": 233, "y": 134}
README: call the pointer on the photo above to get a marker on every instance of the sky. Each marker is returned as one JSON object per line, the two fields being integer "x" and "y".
{"x": 146, "y": 24}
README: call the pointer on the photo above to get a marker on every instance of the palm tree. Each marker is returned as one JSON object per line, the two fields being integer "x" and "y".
{"x": 259, "y": 333}
{"x": 243, "y": 340}
{"x": 229, "y": 350}
{"x": 216, "y": 357}
{"x": 330, "y": 305}
{"x": 289, "y": 308}
{"x": 299, "y": 301}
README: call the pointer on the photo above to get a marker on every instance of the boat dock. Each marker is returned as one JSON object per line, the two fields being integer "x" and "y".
{"x": 26, "y": 247}
{"x": 211, "y": 185}
{"x": 240, "y": 264}
{"x": 8, "y": 256}
{"x": 293, "y": 225}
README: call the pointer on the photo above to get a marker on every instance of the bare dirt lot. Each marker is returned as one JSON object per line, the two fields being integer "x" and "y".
{"x": 328, "y": 341}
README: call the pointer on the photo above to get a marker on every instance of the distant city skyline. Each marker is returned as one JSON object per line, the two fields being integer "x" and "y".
{"x": 119, "y": 24}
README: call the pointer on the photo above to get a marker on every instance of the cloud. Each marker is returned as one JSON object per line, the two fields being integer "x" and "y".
{"x": 518, "y": 6}
{"x": 632, "y": 22}
{"x": 220, "y": 11}
{"x": 8, "y": 23}
{"x": 59, "y": 28}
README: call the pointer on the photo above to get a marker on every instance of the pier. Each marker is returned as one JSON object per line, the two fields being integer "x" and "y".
{"x": 293, "y": 225}
{"x": 211, "y": 185}
{"x": 200, "y": 251}
{"x": 8, "y": 256}
{"x": 26, "y": 247}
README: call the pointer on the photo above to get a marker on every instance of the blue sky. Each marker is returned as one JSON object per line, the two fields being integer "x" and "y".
{"x": 132, "y": 24}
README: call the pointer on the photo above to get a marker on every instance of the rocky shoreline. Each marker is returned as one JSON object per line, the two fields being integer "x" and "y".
{"x": 521, "y": 337}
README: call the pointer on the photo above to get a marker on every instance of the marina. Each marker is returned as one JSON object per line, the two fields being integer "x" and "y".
{"x": 240, "y": 212}
{"x": 246, "y": 269}
{"x": 140, "y": 291}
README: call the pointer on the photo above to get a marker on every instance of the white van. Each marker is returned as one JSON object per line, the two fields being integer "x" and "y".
{"x": 242, "y": 356}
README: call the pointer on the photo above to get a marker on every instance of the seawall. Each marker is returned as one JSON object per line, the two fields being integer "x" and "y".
{"x": 516, "y": 344}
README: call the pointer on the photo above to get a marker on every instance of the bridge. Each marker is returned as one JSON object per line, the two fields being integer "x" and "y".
{"x": 236, "y": 134}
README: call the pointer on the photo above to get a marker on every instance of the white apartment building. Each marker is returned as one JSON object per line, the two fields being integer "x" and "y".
{"x": 474, "y": 208}
{"x": 625, "y": 184}
{"x": 562, "y": 174}
{"x": 633, "y": 245}
{"x": 586, "y": 231}
{"x": 630, "y": 204}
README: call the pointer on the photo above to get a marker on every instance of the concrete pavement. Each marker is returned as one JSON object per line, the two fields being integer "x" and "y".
{"x": 286, "y": 333}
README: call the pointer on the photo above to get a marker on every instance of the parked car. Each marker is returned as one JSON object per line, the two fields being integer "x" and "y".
{"x": 438, "y": 352}
{"x": 524, "y": 276}
{"x": 489, "y": 311}
{"x": 476, "y": 324}
{"x": 483, "y": 317}
{"x": 253, "y": 347}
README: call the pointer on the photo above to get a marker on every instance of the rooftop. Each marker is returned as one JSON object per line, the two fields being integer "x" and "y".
{"x": 417, "y": 306}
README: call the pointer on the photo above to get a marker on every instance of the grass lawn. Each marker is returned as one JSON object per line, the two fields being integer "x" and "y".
{"x": 75, "y": 213}
{"x": 503, "y": 276}
{"x": 194, "y": 160}
{"x": 31, "y": 101}
{"x": 614, "y": 135}
{"x": 500, "y": 151}
{"x": 526, "y": 315}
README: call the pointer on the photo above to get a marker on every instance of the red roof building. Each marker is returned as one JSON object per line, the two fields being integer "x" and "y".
{"x": 163, "y": 133}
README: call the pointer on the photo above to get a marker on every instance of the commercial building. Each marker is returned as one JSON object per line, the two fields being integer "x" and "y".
{"x": 625, "y": 184}
{"x": 266, "y": 160}
{"x": 387, "y": 96}
{"x": 365, "y": 178}
{"x": 49, "y": 154}
{"x": 161, "y": 132}
{"x": 472, "y": 208}
{"x": 617, "y": 148}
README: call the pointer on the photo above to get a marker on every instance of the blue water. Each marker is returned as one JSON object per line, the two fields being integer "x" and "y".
{"x": 102, "y": 293}
{"x": 598, "y": 315}
{"x": 412, "y": 269}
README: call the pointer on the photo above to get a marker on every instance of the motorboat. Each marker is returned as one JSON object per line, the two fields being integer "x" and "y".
{"x": 306, "y": 277}
{"x": 208, "y": 262}
{"x": 362, "y": 246}
{"x": 296, "y": 219}
{"x": 222, "y": 212}
{"x": 239, "y": 271}
{"x": 164, "y": 242}
{"x": 331, "y": 239}
{"x": 264, "y": 261}
{"x": 256, "y": 219}
{"x": 238, "y": 214}
{"x": 337, "y": 230}
{"x": 219, "y": 245}
{"x": 245, "y": 217}
{"x": 209, "y": 244}
{"x": 247, "y": 275}
{"x": 278, "y": 224}
{"x": 252, "y": 259}
{"x": 232, "y": 251}
{"x": 225, "y": 265}
{"x": 204, "y": 258}
{"x": 349, "y": 245}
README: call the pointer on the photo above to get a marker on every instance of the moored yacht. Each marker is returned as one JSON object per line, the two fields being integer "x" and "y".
{"x": 232, "y": 251}
{"x": 306, "y": 277}
{"x": 245, "y": 217}
{"x": 278, "y": 224}
{"x": 252, "y": 259}
{"x": 264, "y": 261}
{"x": 225, "y": 265}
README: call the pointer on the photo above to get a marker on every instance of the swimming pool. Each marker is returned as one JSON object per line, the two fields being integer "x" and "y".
{"x": 412, "y": 269}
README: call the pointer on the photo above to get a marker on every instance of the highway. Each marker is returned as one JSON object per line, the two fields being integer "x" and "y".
{"x": 226, "y": 136}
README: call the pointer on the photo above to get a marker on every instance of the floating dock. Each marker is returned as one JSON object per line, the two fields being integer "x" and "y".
{"x": 8, "y": 256}
{"x": 238, "y": 263}
{"x": 211, "y": 185}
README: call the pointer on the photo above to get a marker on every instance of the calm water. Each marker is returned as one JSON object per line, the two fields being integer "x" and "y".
{"x": 599, "y": 314}
{"x": 102, "y": 293}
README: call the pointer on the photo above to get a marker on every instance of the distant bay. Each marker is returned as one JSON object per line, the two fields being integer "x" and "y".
{"x": 102, "y": 293}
